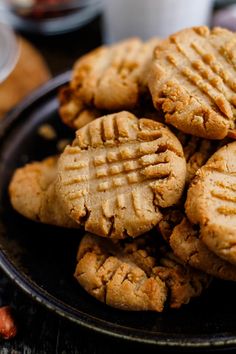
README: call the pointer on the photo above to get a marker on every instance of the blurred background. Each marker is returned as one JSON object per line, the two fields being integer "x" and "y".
{"x": 42, "y": 38}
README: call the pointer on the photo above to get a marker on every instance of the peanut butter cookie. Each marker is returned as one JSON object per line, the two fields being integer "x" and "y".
{"x": 108, "y": 79}
{"x": 113, "y": 77}
{"x": 32, "y": 193}
{"x": 186, "y": 244}
{"x": 211, "y": 202}
{"x": 117, "y": 174}
{"x": 137, "y": 275}
{"x": 192, "y": 79}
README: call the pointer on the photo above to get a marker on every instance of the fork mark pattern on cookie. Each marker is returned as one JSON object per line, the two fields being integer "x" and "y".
{"x": 224, "y": 197}
{"x": 207, "y": 80}
{"x": 211, "y": 203}
{"x": 223, "y": 185}
{"x": 225, "y": 192}
{"x": 125, "y": 160}
{"x": 226, "y": 210}
{"x": 193, "y": 81}
{"x": 205, "y": 88}
{"x": 128, "y": 166}
{"x": 218, "y": 66}
{"x": 122, "y": 64}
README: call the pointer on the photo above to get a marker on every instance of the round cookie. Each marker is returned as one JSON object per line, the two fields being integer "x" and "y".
{"x": 113, "y": 77}
{"x": 211, "y": 202}
{"x": 33, "y": 194}
{"x": 108, "y": 79}
{"x": 192, "y": 79}
{"x": 187, "y": 246}
{"x": 119, "y": 172}
{"x": 135, "y": 275}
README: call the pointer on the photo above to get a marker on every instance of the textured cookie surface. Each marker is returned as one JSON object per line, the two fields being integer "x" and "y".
{"x": 32, "y": 193}
{"x": 110, "y": 78}
{"x": 186, "y": 244}
{"x": 211, "y": 202}
{"x": 113, "y": 77}
{"x": 192, "y": 79}
{"x": 171, "y": 218}
{"x": 76, "y": 114}
{"x": 136, "y": 275}
{"x": 118, "y": 172}
{"x": 196, "y": 151}
{"x": 73, "y": 111}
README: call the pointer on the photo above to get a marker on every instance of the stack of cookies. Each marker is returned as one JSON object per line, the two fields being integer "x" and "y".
{"x": 150, "y": 174}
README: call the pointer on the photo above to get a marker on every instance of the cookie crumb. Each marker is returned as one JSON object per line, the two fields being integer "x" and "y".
{"x": 47, "y": 132}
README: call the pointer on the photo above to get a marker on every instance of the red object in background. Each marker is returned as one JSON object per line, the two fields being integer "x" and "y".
{"x": 51, "y": 17}
{"x": 8, "y": 328}
{"x": 41, "y": 9}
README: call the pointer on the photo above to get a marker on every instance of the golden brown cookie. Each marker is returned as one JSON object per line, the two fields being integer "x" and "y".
{"x": 186, "y": 244}
{"x": 196, "y": 151}
{"x": 32, "y": 193}
{"x": 108, "y": 79}
{"x": 136, "y": 275}
{"x": 211, "y": 202}
{"x": 76, "y": 114}
{"x": 113, "y": 77}
{"x": 73, "y": 111}
{"x": 192, "y": 79}
{"x": 117, "y": 174}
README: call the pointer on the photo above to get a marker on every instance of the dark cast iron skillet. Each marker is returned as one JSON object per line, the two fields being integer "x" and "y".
{"x": 41, "y": 259}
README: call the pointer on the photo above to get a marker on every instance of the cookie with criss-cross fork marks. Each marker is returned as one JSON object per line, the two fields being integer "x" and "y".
{"x": 113, "y": 77}
{"x": 108, "y": 79}
{"x": 192, "y": 79}
{"x": 186, "y": 244}
{"x": 211, "y": 202}
{"x": 118, "y": 172}
{"x": 33, "y": 194}
{"x": 136, "y": 275}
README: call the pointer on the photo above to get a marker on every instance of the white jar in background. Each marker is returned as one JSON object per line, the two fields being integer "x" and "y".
{"x": 9, "y": 51}
{"x": 148, "y": 18}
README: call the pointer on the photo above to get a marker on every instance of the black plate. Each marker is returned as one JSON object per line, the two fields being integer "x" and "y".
{"x": 41, "y": 259}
